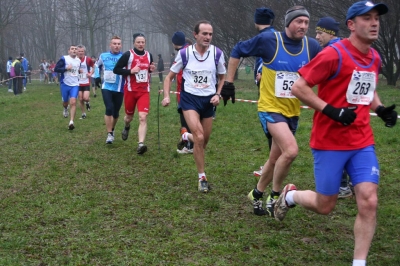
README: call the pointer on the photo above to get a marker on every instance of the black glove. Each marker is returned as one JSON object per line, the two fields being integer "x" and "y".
{"x": 97, "y": 82}
{"x": 344, "y": 115}
{"x": 228, "y": 92}
{"x": 387, "y": 114}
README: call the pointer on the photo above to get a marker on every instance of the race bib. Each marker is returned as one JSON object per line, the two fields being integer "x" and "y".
{"x": 109, "y": 76}
{"x": 142, "y": 76}
{"x": 283, "y": 84}
{"x": 361, "y": 88}
{"x": 74, "y": 72}
{"x": 200, "y": 79}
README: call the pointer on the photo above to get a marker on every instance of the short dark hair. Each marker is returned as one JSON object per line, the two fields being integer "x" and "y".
{"x": 197, "y": 26}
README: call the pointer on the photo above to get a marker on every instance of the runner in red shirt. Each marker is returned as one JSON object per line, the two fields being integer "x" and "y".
{"x": 341, "y": 137}
{"x": 135, "y": 66}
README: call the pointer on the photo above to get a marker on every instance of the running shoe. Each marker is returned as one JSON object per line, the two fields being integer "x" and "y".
{"x": 185, "y": 151}
{"x": 345, "y": 192}
{"x": 257, "y": 204}
{"x": 88, "y": 106}
{"x": 258, "y": 173}
{"x": 203, "y": 185}
{"x": 125, "y": 133}
{"x": 71, "y": 125}
{"x": 95, "y": 95}
{"x": 84, "y": 116}
{"x": 65, "y": 113}
{"x": 110, "y": 138}
{"x": 270, "y": 205}
{"x": 281, "y": 207}
{"x": 141, "y": 149}
{"x": 352, "y": 188}
{"x": 181, "y": 144}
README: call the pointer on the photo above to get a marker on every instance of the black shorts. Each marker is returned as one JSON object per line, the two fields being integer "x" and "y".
{"x": 84, "y": 88}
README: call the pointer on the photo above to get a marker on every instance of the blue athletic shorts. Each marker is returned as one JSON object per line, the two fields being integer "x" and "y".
{"x": 200, "y": 104}
{"x": 265, "y": 117}
{"x": 68, "y": 92}
{"x": 361, "y": 165}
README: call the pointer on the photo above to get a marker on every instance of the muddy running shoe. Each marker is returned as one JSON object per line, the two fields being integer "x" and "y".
{"x": 71, "y": 125}
{"x": 185, "y": 151}
{"x": 182, "y": 143}
{"x": 345, "y": 192}
{"x": 257, "y": 204}
{"x": 203, "y": 185}
{"x": 281, "y": 207}
{"x": 270, "y": 205}
{"x": 141, "y": 148}
{"x": 110, "y": 138}
{"x": 83, "y": 116}
{"x": 125, "y": 133}
{"x": 88, "y": 106}
{"x": 65, "y": 113}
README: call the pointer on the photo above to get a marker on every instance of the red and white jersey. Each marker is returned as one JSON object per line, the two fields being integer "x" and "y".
{"x": 139, "y": 81}
{"x": 86, "y": 64}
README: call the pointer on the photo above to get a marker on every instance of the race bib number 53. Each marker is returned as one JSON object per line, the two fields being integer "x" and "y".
{"x": 283, "y": 84}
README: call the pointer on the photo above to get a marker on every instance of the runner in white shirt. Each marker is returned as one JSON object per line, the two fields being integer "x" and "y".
{"x": 68, "y": 66}
{"x": 199, "y": 92}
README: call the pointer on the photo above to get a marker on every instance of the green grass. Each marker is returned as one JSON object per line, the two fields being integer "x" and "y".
{"x": 67, "y": 198}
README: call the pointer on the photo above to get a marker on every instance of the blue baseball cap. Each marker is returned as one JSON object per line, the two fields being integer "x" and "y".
{"x": 362, "y": 7}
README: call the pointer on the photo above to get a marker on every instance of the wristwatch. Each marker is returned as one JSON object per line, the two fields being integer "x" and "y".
{"x": 219, "y": 95}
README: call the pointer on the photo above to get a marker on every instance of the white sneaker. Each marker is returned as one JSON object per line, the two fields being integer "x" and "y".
{"x": 71, "y": 125}
{"x": 185, "y": 151}
{"x": 258, "y": 172}
{"x": 65, "y": 113}
{"x": 10, "y": 90}
{"x": 24, "y": 88}
{"x": 110, "y": 139}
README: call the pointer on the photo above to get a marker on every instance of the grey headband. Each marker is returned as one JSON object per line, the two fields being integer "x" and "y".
{"x": 291, "y": 15}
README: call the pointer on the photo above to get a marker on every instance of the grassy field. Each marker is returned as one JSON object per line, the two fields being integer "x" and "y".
{"x": 67, "y": 198}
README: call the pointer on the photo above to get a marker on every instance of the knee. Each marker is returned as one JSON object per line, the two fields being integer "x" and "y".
{"x": 142, "y": 118}
{"x": 291, "y": 153}
{"x": 367, "y": 204}
{"x": 326, "y": 208}
{"x": 128, "y": 118}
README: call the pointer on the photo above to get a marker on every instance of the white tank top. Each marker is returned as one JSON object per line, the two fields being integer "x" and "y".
{"x": 200, "y": 73}
{"x": 71, "y": 76}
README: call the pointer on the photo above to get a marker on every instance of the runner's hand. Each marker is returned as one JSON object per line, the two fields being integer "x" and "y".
{"x": 387, "y": 114}
{"x": 228, "y": 92}
{"x": 344, "y": 115}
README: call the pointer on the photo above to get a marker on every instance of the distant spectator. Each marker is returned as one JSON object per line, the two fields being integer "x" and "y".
{"x": 24, "y": 63}
{"x": 9, "y": 64}
{"x": 17, "y": 72}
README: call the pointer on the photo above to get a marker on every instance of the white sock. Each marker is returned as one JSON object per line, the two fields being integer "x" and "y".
{"x": 359, "y": 262}
{"x": 289, "y": 198}
{"x": 201, "y": 175}
{"x": 185, "y": 136}
{"x": 71, "y": 122}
